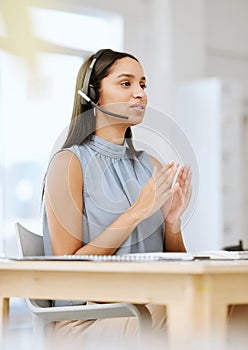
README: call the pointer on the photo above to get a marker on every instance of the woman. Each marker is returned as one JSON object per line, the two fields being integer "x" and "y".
{"x": 101, "y": 196}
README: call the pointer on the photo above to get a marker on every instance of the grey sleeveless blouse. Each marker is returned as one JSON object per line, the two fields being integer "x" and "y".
{"x": 112, "y": 183}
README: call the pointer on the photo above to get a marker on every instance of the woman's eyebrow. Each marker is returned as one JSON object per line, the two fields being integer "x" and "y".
{"x": 129, "y": 75}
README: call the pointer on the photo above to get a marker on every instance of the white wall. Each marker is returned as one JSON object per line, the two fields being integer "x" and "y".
{"x": 156, "y": 54}
{"x": 188, "y": 39}
{"x": 227, "y": 57}
{"x": 227, "y": 40}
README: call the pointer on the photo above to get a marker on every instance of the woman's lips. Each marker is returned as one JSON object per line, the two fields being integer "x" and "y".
{"x": 139, "y": 107}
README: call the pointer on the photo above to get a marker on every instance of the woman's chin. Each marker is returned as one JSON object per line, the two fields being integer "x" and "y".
{"x": 136, "y": 118}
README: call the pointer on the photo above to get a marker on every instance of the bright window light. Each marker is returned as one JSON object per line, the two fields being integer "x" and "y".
{"x": 78, "y": 31}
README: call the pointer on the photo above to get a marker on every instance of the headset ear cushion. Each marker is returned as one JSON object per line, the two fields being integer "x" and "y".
{"x": 93, "y": 94}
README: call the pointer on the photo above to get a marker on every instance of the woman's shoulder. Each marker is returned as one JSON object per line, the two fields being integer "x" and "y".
{"x": 64, "y": 172}
{"x": 64, "y": 161}
{"x": 73, "y": 153}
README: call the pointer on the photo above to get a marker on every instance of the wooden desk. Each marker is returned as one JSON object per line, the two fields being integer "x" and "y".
{"x": 196, "y": 293}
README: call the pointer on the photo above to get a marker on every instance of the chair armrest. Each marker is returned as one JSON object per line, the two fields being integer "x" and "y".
{"x": 95, "y": 311}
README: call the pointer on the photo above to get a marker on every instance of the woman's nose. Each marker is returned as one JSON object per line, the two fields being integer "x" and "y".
{"x": 139, "y": 93}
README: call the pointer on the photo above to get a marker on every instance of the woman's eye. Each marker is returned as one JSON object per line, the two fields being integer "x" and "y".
{"x": 125, "y": 83}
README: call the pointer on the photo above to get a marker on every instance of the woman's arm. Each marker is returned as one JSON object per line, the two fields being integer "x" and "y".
{"x": 63, "y": 203}
{"x": 173, "y": 237}
{"x": 64, "y": 208}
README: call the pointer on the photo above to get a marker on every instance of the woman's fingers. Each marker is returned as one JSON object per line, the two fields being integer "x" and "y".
{"x": 165, "y": 196}
{"x": 188, "y": 180}
{"x": 164, "y": 180}
{"x": 166, "y": 191}
{"x": 161, "y": 182}
{"x": 162, "y": 171}
{"x": 184, "y": 177}
{"x": 166, "y": 174}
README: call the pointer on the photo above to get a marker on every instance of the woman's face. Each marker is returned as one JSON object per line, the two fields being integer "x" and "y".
{"x": 122, "y": 91}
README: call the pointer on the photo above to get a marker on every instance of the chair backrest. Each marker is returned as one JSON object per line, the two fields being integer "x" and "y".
{"x": 30, "y": 244}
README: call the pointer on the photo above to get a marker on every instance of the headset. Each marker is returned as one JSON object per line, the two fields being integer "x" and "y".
{"x": 90, "y": 94}
{"x": 90, "y": 91}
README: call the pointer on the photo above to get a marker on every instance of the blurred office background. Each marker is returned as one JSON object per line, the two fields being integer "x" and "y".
{"x": 195, "y": 56}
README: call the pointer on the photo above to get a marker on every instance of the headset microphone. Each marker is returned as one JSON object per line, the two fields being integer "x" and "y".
{"x": 86, "y": 98}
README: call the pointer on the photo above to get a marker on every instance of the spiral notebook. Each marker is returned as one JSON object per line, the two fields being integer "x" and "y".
{"x": 157, "y": 256}
{"x": 142, "y": 257}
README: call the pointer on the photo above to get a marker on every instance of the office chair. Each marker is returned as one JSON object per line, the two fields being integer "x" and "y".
{"x": 44, "y": 315}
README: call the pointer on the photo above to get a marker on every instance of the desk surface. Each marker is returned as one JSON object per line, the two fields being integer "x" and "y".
{"x": 201, "y": 290}
{"x": 169, "y": 267}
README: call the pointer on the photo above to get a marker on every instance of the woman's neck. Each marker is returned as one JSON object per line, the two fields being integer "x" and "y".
{"x": 113, "y": 133}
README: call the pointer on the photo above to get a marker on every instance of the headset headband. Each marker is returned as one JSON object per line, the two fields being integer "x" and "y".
{"x": 88, "y": 73}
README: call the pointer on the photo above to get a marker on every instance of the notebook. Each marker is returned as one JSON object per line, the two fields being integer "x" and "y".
{"x": 104, "y": 258}
{"x": 156, "y": 256}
